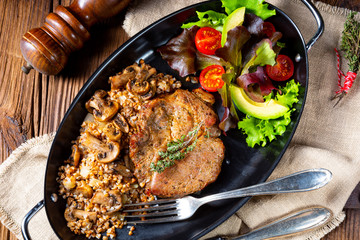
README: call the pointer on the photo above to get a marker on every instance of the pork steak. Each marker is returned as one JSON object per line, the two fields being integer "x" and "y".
{"x": 166, "y": 119}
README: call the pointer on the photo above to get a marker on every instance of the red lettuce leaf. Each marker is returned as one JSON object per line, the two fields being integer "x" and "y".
{"x": 254, "y": 24}
{"x": 274, "y": 39}
{"x": 231, "y": 52}
{"x": 253, "y": 82}
{"x": 180, "y": 52}
{"x": 227, "y": 122}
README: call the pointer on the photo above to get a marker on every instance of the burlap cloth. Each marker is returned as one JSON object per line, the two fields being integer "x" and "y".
{"x": 326, "y": 137}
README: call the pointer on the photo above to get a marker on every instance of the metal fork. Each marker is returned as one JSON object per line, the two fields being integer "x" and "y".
{"x": 170, "y": 210}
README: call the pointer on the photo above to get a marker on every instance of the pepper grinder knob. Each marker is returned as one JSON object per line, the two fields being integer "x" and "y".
{"x": 47, "y": 48}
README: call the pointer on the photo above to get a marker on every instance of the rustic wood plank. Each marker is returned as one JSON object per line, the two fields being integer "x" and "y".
{"x": 16, "y": 109}
{"x": 19, "y": 102}
{"x": 5, "y": 234}
{"x": 349, "y": 229}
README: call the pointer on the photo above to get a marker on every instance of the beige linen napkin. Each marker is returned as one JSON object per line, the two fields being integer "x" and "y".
{"x": 326, "y": 137}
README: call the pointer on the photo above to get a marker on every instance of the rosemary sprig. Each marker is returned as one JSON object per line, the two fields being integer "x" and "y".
{"x": 350, "y": 42}
{"x": 176, "y": 150}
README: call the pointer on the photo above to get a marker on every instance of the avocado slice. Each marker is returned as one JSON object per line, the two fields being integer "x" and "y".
{"x": 271, "y": 109}
{"x": 236, "y": 18}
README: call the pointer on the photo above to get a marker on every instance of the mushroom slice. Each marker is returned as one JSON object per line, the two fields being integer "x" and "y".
{"x": 75, "y": 155}
{"x": 128, "y": 163}
{"x": 112, "y": 131}
{"x": 152, "y": 90}
{"x": 120, "y": 80}
{"x": 102, "y": 109}
{"x": 84, "y": 189}
{"x": 145, "y": 73}
{"x": 104, "y": 152}
{"x": 68, "y": 215}
{"x": 121, "y": 123}
{"x": 111, "y": 154}
{"x": 119, "y": 169}
{"x": 204, "y": 96}
{"x": 111, "y": 200}
{"x": 137, "y": 87}
{"x": 74, "y": 214}
{"x": 140, "y": 85}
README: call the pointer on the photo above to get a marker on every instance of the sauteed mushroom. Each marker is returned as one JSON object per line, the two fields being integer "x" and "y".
{"x": 151, "y": 91}
{"x": 120, "y": 122}
{"x": 105, "y": 152}
{"x": 137, "y": 87}
{"x": 83, "y": 189}
{"x": 205, "y": 96}
{"x": 140, "y": 85}
{"x": 75, "y": 155}
{"x": 110, "y": 200}
{"x": 119, "y": 169}
{"x": 72, "y": 214}
{"x": 120, "y": 80}
{"x": 102, "y": 109}
{"x": 112, "y": 131}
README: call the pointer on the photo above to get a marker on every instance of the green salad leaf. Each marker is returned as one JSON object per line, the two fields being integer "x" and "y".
{"x": 231, "y": 51}
{"x": 208, "y": 19}
{"x": 263, "y": 55}
{"x": 260, "y": 131}
{"x": 216, "y": 20}
{"x": 289, "y": 93}
{"x": 257, "y": 7}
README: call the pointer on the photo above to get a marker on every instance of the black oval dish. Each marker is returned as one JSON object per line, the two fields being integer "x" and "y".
{"x": 243, "y": 166}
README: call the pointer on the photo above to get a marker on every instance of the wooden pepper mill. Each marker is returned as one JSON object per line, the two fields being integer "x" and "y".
{"x": 47, "y": 48}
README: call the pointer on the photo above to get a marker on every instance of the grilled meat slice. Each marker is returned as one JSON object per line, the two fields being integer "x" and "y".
{"x": 191, "y": 174}
{"x": 169, "y": 118}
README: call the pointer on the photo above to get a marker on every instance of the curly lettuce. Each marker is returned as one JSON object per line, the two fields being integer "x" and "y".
{"x": 208, "y": 19}
{"x": 216, "y": 20}
{"x": 257, "y": 7}
{"x": 260, "y": 131}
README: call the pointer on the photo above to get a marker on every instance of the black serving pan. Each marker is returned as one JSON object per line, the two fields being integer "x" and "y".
{"x": 243, "y": 166}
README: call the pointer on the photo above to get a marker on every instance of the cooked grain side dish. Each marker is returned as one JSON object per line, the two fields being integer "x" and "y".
{"x": 121, "y": 154}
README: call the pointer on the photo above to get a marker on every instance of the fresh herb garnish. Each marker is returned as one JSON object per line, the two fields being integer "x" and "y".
{"x": 350, "y": 42}
{"x": 350, "y": 45}
{"x": 176, "y": 150}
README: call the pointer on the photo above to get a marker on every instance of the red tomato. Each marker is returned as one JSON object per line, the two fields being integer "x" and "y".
{"x": 268, "y": 29}
{"x": 210, "y": 78}
{"x": 282, "y": 70}
{"x": 207, "y": 40}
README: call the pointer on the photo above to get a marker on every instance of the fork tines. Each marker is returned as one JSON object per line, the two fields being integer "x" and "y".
{"x": 158, "y": 211}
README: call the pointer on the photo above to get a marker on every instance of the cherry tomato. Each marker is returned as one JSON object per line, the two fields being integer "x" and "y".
{"x": 282, "y": 70}
{"x": 268, "y": 29}
{"x": 207, "y": 40}
{"x": 210, "y": 78}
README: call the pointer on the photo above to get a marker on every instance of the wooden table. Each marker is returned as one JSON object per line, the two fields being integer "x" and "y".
{"x": 34, "y": 104}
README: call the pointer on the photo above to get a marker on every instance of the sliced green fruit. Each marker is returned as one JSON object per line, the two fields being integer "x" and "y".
{"x": 236, "y": 18}
{"x": 270, "y": 109}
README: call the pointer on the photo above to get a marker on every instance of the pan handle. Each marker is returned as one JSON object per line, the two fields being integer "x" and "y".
{"x": 27, "y": 218}
{"x": 319, "y": 21}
